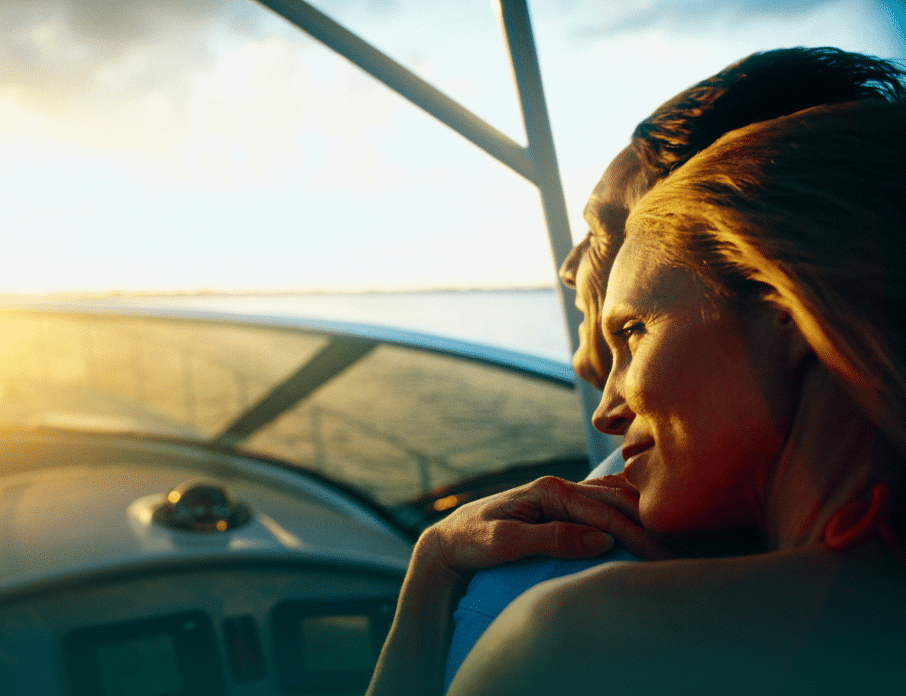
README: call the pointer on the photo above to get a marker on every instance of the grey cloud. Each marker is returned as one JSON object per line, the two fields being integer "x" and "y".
{"x": 51, "y": 50}
{"x": 95, "y": 21}
{"x": 619, "y": 18}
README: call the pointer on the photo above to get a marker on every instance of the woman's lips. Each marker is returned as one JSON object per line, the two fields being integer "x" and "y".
{"x": 632, "y": 449}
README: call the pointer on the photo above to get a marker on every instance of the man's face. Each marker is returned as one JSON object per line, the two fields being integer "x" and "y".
{"x": 623, "y": 183}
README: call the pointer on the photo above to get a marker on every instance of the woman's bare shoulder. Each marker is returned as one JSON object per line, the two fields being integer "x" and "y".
{"x": 732, "y": 625}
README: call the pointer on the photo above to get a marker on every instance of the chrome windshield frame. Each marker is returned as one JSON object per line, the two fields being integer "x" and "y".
{"x": 536, "y": 162}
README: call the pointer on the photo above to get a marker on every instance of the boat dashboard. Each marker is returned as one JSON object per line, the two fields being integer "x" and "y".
{"x": 220, "y": 505}
{"x": 266, "y": 583}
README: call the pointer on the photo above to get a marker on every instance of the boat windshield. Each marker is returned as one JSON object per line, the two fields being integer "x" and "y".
{"x": 394, "y": 415}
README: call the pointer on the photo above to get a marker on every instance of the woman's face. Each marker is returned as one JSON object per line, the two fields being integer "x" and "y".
{"x": 703, "y": 393}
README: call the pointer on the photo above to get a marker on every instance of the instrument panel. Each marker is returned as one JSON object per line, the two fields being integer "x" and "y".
{"x": 248, "y": 628}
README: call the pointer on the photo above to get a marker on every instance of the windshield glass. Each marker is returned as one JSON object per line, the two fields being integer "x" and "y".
{"x": 120, "y": 374}
{"x": 391, "y": 421}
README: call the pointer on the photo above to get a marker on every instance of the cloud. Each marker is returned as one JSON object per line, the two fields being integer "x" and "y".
{"x": 58, "y": 50}
{"x": 637, "y": 15}
{"x": 218, "y": 84}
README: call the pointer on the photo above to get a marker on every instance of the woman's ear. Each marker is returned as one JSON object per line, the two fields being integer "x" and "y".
{"x": 773, "y": 331}
{"x": 798, "y": 349}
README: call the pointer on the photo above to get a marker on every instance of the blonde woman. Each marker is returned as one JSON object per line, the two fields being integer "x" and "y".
{"x": 754, "y": 318}
{"x": 743, "y": 330}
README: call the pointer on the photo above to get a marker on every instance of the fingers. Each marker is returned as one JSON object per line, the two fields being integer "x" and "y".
{"x": 549, "y": 516}
{"x": 590, "y": 504}
{"x": 565, "y": 540}
{"x": 511, "y": 540}
{"x": 612, "y": 510}
{"x": 585, "y": 508}
{"x": 611, "y": 481}
{"x": 626, "y": 500}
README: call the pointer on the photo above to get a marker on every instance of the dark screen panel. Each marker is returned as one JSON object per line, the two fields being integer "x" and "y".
{"x": 328, "y": 646}
{"x": 174, "y": 655}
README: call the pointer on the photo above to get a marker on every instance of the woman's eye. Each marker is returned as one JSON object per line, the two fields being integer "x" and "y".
{"x": 631, "y": 329}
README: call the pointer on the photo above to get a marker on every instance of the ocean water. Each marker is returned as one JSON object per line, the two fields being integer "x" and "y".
{"x": 526, "y": 320}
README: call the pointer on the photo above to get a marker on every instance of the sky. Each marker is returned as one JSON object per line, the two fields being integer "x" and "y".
{"x": 208, "y": 145}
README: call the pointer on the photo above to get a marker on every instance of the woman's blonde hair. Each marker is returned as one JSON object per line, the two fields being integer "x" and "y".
{"x": 807, "y": 212}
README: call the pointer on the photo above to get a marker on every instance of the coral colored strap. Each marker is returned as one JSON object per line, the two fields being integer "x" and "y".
{"x": 855, "y": 522}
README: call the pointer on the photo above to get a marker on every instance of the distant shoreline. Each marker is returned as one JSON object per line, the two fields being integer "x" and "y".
{"x": 526, "y": 319}
{"x": 131, "y": 294}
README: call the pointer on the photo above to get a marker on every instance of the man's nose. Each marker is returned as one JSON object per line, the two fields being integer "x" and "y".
{"x": 613, "y": 415}
{"x": 570, "y": 267}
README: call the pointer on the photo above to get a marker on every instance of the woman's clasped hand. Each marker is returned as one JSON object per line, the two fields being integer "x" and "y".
{"x": 549, "y": 517}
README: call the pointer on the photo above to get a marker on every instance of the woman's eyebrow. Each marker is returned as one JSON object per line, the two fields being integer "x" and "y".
{"x": 643, "y": 306}
{"x": 615, "y": 315}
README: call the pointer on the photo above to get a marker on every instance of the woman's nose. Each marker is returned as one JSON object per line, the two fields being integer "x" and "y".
{"x": 613, "y": 415}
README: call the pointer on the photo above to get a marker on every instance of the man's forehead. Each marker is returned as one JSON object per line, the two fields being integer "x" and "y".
{"x": 622, "y": 184}
{"x": 617, "y": 189}
{"x": 605, "y": 218}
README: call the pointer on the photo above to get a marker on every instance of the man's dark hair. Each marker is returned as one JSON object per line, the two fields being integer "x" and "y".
{"x": 763, "y": 86}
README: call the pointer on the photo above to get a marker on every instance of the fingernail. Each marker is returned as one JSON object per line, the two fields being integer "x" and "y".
{"x": 597, "y": 542}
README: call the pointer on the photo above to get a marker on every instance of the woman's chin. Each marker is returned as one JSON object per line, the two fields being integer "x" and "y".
{"x": 688, "y": 535}
{"x": 665, "y": 515}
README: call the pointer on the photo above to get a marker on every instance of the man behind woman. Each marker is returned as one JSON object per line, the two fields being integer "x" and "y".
{"x": 745, "y": 403}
